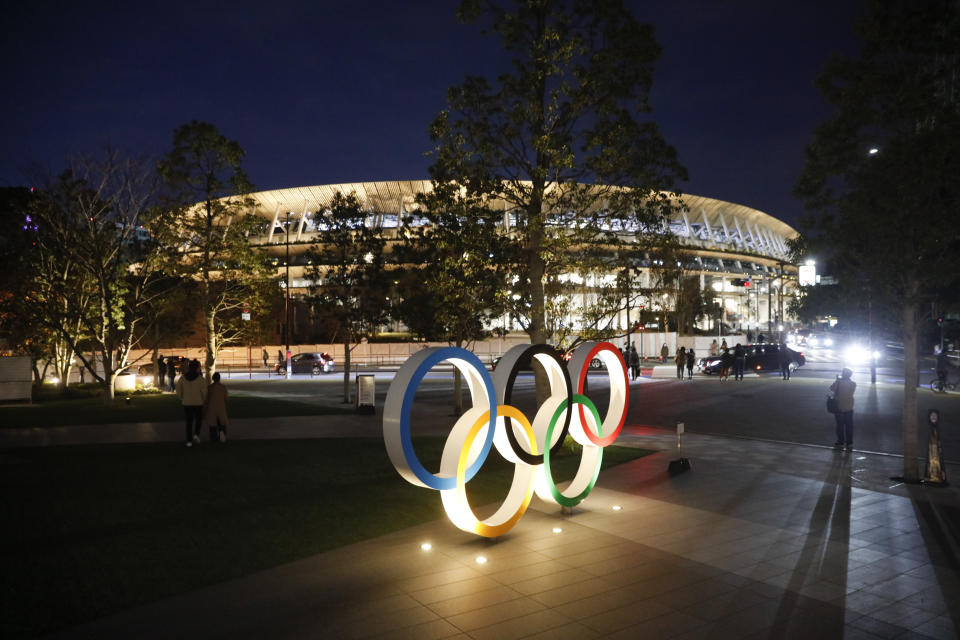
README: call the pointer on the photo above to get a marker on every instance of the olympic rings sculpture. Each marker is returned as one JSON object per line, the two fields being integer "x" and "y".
{"x": 492, "y": 422}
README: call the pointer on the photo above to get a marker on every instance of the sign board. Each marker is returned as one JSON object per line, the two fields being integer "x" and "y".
{"x": 679, "y": 428}
{"x": 807, "y": 275}
{"x": 366, "y": 393}
{"x": 245, "y": 315}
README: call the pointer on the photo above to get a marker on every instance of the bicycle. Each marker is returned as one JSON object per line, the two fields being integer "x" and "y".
{"x": 942, "y": 386}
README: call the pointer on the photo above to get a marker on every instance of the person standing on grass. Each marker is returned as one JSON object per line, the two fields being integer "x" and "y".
{"x": 843, "y": 389}
{"x": 215, "y": 410}
{"x": 191, "y": 388}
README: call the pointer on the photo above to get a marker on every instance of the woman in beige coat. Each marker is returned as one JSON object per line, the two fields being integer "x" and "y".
{"x": 215, "y": 411}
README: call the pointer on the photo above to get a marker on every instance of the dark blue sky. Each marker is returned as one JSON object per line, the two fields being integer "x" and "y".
{"x": 328, "y": 92}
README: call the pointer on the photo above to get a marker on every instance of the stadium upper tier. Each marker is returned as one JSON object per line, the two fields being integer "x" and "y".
{"x": 705, "y": 225}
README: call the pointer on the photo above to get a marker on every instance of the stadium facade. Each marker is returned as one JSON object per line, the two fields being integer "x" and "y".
{"x": 723, "y": 243}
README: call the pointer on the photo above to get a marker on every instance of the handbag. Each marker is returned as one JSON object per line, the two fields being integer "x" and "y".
{"x": 832, "y": 405}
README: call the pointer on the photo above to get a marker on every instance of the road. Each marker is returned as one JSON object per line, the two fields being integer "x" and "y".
{"x": 761, "y": 406}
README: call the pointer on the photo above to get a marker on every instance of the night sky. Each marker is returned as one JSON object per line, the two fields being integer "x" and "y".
{"x": 329, "y": 92}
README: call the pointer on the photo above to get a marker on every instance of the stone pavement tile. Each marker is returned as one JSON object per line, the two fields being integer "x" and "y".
{"x": 577, "y": 591}
{"x": 433, "y": 630}
{"x": 429, "y": 580}
{"x": 864, "y": 602}
{"x": 712, "y": 607}
{"x": 468, "y": 587}
{"x": 878, "y": 628}
{"x": 598, "y": 603}
{"x": 667, "y": 625}
{"x": 551, "y": 581}
{"x": 941, "y": 628}
{"x": 932, "y": 600}
{"x": 521, "y": 627}
{"x": 569, "y": 631}
{"x": 755, "y": 618}
{"x": 625, "y": 616}
{"x": 464, "y": 603}
{"x": 692, "y": 594}
{"x": 514, "y": 575}
{"x": 900, "y": 586}
{"x": 469, "y": 621}
{"x": 378, "y": 625}
{"x": 902, "y": 615}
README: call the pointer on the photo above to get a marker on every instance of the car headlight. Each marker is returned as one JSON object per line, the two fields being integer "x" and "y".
{"x": 856, "y": 354}
{"x": 812, "y": 342}
{"x": 828, "y": 342}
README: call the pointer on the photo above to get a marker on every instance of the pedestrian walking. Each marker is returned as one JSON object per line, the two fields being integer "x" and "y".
{"x": 266, "y": 359}
{"x": 783, "y": 356}
{"x": 843, "y": 389}
{"x": 723, "y": 345}
{"x": 634, "y": 362}
{"x": 664, "y": 352}
{"x": 161, "y": 373}
{"x": 714, "y": 349}
{"x": 749, "y": 336}
{"x": 215, "y": 410}
{"x": 681, "y": 361}
{"x": 192, "y": 390}
{"x": 691, "y": 359}
{"x": 739, "y": 361}
{"x": 172, "y": 372}
{"x": 726, "y": 361}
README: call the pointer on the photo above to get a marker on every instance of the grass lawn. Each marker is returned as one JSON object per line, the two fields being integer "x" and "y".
{"x": 84, "y": 405}
{"x": 90, "y": 530}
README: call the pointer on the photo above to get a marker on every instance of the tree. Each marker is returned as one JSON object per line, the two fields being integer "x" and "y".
{"x": 351, "y": 284}
{"x": 453, "y": 291}
{"x": 568, "y": 113}
{"x": 207, "y": 224}
{"x": 881, "y": 174}
{"x": 95, "y": 270}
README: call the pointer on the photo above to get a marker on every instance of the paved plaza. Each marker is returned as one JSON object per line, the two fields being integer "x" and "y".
{"x": 759, "y": 540}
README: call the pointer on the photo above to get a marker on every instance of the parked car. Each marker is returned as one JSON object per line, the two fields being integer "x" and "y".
{"x": 313, "y": 363}
{"x": 760, "y": 357}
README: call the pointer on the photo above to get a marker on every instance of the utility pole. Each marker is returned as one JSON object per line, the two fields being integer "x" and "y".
{"x": 286, "y": 302}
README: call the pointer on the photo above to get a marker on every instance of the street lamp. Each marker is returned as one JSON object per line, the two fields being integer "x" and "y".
{"x": 286, "y": 302}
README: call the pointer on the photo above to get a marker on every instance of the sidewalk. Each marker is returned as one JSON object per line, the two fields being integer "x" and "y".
{"x": 758, "y": 540}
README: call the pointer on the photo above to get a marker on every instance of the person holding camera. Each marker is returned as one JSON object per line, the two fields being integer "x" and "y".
{"x": 843, "y": 389}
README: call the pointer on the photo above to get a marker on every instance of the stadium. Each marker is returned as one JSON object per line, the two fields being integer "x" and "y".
{"x": 726, "y": 245}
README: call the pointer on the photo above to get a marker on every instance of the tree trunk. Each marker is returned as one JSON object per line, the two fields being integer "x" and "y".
{"x": 211, "y": 360}
{"x": 911, "y": 371}
{"x": 346, "y": 369}
{"x": 457, "y": 388}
